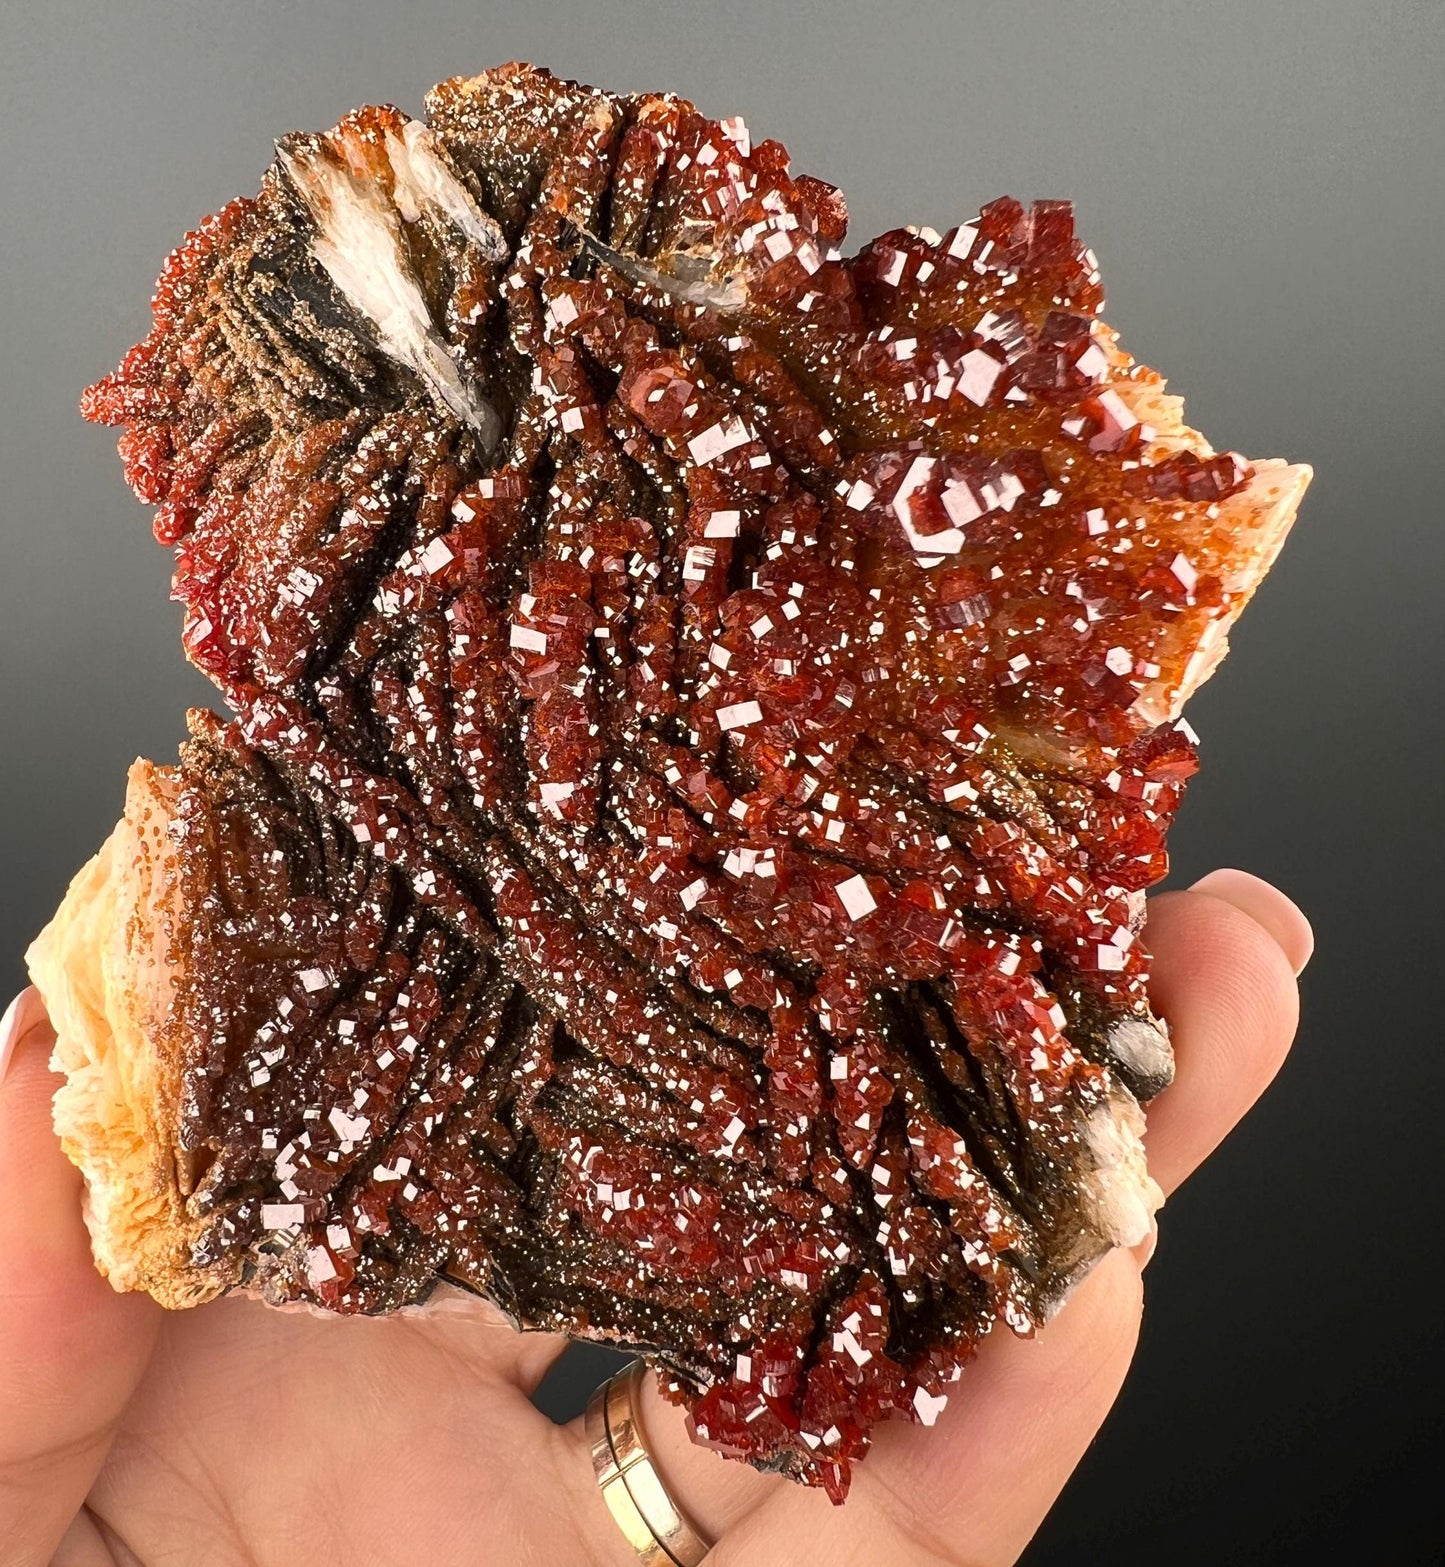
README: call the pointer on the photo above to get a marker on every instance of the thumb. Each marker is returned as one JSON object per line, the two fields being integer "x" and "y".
{"x": 71, "y": 1349}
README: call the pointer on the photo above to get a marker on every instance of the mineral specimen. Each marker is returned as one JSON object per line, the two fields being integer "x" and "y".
{"x": 706, "y": 715}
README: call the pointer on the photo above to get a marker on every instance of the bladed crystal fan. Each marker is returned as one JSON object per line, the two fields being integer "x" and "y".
{"x": 706, "y": 713}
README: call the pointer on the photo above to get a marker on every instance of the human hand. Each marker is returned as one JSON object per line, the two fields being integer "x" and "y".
{"x": 235, "y": 1434}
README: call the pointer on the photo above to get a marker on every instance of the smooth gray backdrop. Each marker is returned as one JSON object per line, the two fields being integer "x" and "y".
{"x": 1265, "y": 186}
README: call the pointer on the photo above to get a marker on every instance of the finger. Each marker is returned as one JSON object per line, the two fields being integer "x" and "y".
{"x": 87, "y": 1543}
{"x": 1227, "y": 987}
{"x": 1268, "y": 907}
{"x": 480, "y": 1334}
{"x": 71, "y": 1349}
{"x": 716, "y": 1492}
{"x": 536, "y": 1354}
{"x": 974, "y": 1488}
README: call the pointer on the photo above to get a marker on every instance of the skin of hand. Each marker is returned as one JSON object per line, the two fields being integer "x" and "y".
{"x": 235, "y": 1434}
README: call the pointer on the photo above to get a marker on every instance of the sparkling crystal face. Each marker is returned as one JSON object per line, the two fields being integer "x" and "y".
{"x": 705, "y": 719}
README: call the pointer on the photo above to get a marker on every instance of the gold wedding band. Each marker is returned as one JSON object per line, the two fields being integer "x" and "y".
{"x": 652, "y": 1523}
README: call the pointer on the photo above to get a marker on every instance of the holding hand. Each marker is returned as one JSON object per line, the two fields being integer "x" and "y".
{"x": 238, "y": 1434}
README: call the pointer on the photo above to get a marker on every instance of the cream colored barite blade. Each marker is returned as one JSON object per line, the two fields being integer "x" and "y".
{"x": 103, "y": 966}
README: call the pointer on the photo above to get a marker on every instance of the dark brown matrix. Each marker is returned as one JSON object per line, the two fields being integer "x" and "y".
{"x": 704, "y": 722}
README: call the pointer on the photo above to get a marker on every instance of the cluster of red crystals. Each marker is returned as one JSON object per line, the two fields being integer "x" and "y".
{"x": 712, "y": 813}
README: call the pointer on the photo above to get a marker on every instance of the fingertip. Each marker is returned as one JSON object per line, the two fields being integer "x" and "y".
{"x": 1227, "y": 989}
{"x": 23, "y": 1017}
{"x": 1143, "y": 1252}
{"x": 71, "y": 1348}
{"x": 52, "y": 1298}
{"x": 1268, "y": 907}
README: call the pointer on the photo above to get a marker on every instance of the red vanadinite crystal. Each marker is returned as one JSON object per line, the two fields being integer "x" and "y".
{"x": 718, "y": 705}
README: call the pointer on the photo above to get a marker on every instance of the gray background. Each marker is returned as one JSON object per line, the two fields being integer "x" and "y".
{"x": 1263, "y": 183}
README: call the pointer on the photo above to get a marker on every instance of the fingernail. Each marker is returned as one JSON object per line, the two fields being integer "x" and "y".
{"x": 1149, "y": 1245}
{"x": 10, "y": 1031}
{"x": 1268, "y": 907}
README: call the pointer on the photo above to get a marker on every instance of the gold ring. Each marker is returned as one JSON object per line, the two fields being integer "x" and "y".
{"x": 652, "y": 1523}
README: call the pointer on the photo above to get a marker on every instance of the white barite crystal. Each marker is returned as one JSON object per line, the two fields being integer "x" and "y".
{"x": 1123, "y": 1194}
{"x": 724, "y": 294}
{"x": 1140, "y": 1047}
{"x": 425, "y": 182}
{"x": 359, "y": 243}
